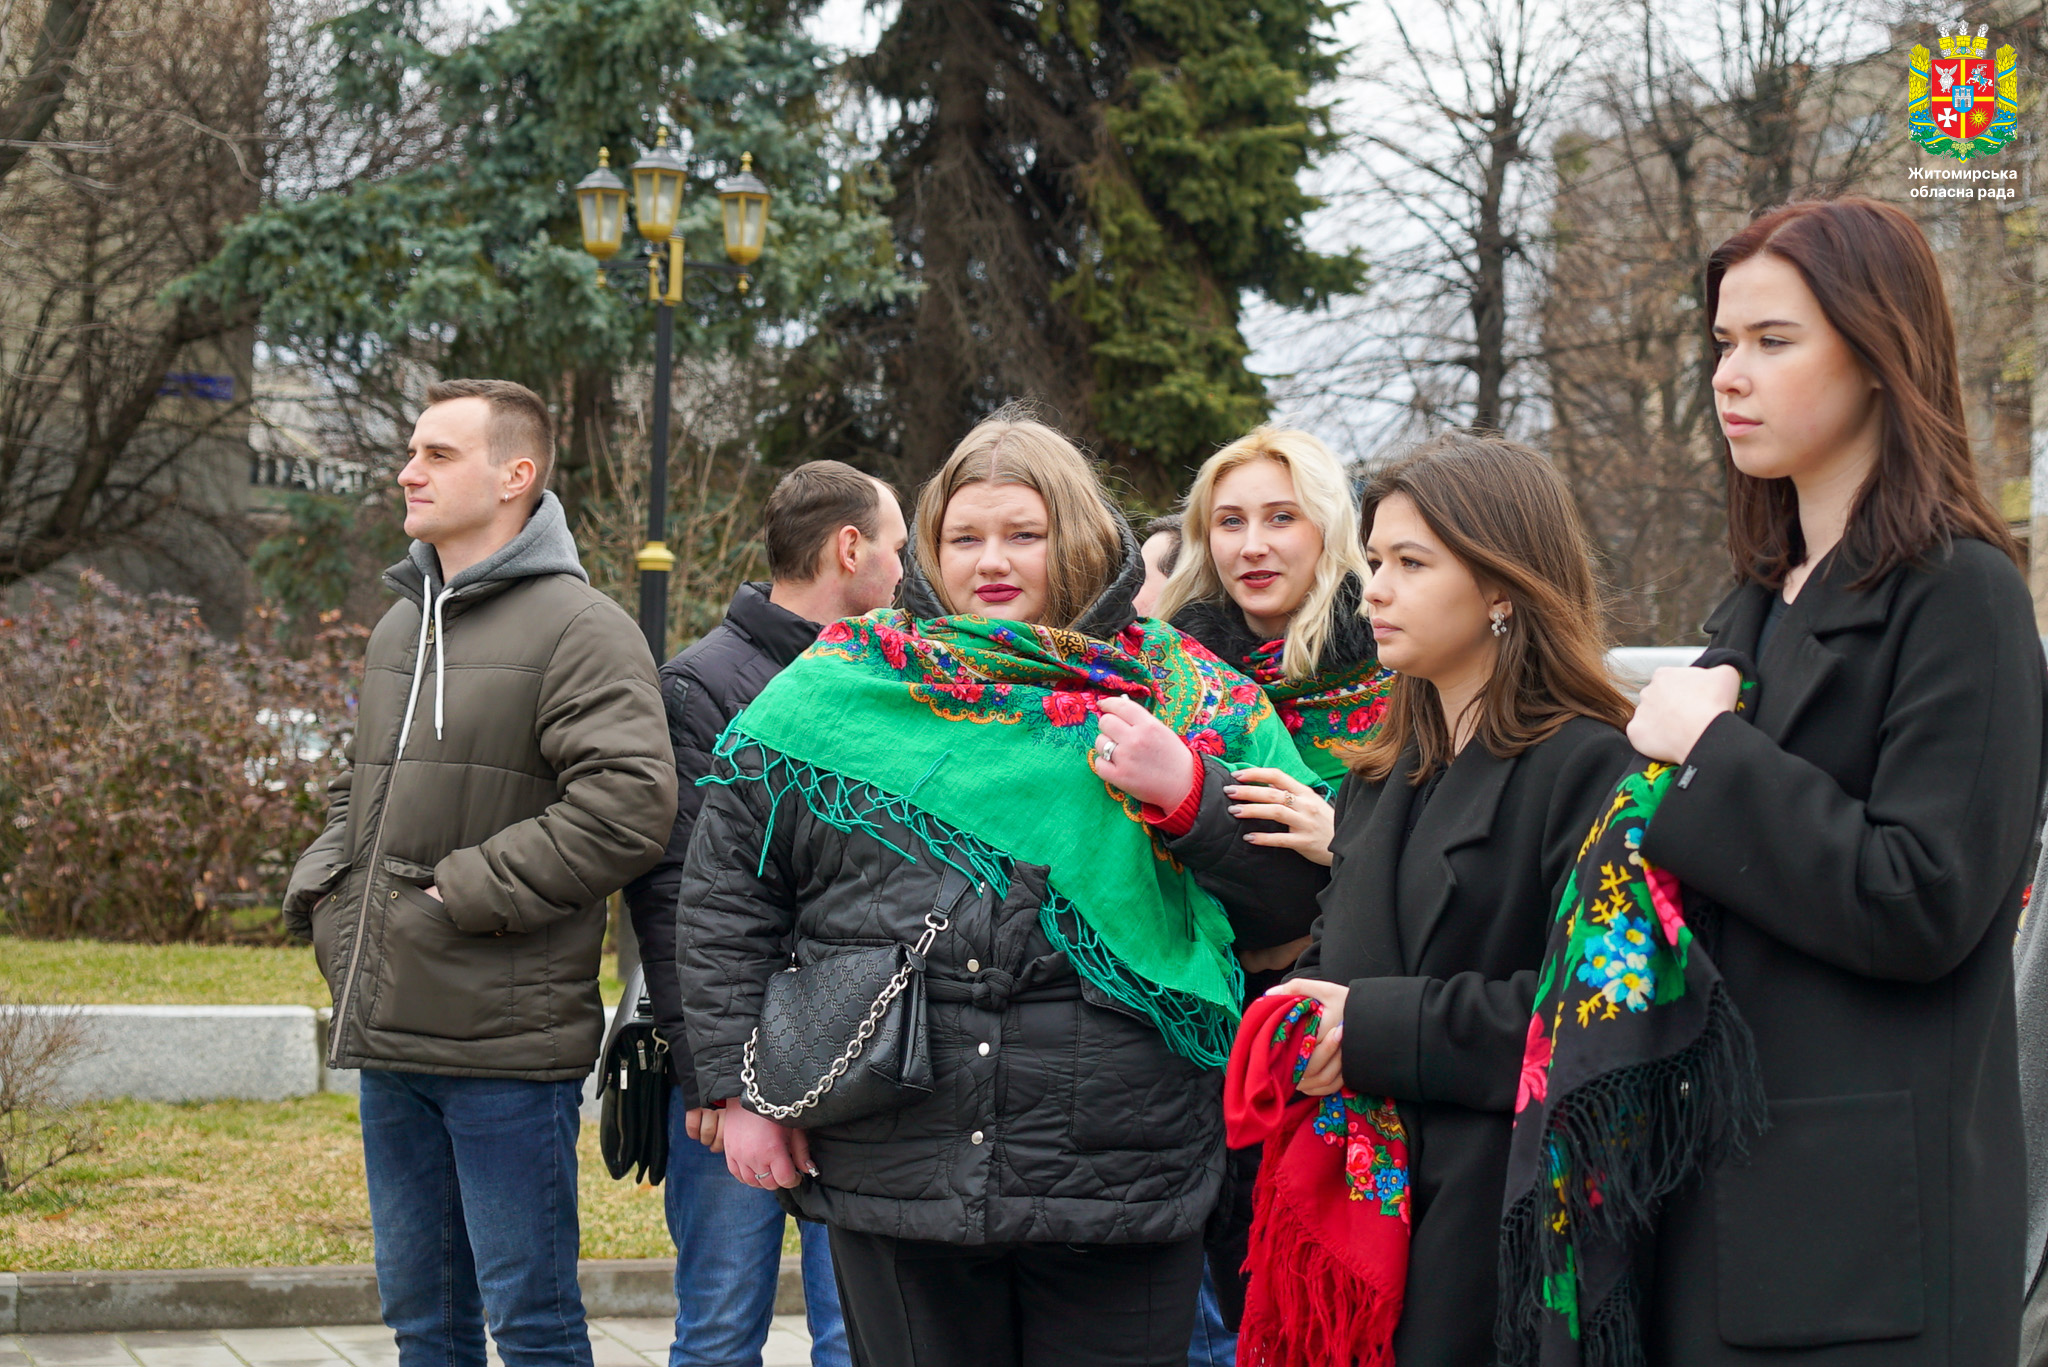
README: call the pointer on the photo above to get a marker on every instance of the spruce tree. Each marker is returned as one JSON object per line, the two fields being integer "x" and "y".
{"x": 466, "y": 255}
{"x": 1084, "y": 190}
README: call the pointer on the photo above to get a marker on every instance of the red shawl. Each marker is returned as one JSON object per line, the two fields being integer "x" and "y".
{"x": 1329, "y": 1243}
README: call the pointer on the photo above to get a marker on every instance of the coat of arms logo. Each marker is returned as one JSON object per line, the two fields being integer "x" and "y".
{"x": 1963, "y": 103}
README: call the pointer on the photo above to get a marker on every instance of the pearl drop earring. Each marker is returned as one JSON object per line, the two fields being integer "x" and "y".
{"x": 1500, "y": 621}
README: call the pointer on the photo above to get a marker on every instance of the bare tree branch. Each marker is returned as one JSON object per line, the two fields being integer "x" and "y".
{"x": 37, "y": 95}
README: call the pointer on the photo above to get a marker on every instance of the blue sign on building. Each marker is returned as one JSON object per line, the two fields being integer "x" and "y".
{"x": 184, "y": 385}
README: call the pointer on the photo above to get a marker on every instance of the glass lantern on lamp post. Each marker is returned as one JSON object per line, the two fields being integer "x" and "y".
{"x": 743, "y": 205}
{"x": 601, "y": 205}
{"x": 658, "y": 189}
{"x": 659, "y": 179}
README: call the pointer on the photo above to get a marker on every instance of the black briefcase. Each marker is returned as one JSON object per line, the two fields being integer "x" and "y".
{"x": 632, "y": 1129}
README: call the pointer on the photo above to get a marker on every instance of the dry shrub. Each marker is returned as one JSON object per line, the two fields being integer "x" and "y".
{"x": 38, "y": 1131}
{"x": 156, "y": 783}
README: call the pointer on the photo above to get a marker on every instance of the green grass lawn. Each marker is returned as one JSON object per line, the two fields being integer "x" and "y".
{"x": 250, "y": 1184}
{"x": 230, "y": 1183}
{"x": 92, "y": 972}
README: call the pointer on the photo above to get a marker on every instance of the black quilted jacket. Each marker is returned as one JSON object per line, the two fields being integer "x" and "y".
{"x": 702, "y": 689}
{"x": 1057, "y": 1117}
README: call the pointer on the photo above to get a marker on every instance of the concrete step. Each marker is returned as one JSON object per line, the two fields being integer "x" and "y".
{"x": 190, "y": 1053}
{"x": 207, "y": 1053}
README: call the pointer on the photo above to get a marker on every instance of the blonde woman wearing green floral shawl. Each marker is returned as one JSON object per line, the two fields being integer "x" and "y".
{"x": 1015, "y": 730}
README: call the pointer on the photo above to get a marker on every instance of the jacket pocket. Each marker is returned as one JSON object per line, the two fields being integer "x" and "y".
{"x": 300, "y": 902}
{"x": 1817, "y": 1237}
{"x": 327, "y": 922}
{"x": 1132, "y": 1092}
{"x": 434, "y": 978}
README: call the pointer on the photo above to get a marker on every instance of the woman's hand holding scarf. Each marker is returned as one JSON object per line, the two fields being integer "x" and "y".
{"x": 1324, "y": 1073}
{"x": 1677, "y": 706}
{"x": 1141, "y": 755}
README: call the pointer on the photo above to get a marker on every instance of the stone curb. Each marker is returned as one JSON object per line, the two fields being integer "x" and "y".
{"x": 207, "y": 1053}
{"x": 101, "y": 1302}
{"x": 189, "y": 1053}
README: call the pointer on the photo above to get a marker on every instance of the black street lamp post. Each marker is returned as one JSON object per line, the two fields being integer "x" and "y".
{"x": 658, "y": 180}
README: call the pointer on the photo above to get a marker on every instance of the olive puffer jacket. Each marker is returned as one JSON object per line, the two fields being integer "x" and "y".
{"x": 1057, "y": 1116}
{"x": 511, "y": 753}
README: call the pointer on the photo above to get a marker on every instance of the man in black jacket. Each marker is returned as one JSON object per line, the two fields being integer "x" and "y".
{"x": 835, "y": 541}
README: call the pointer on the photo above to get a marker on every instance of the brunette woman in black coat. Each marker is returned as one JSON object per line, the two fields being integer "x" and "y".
{"x": 1867, "y": 837}
{"x": 1455, "y": 829}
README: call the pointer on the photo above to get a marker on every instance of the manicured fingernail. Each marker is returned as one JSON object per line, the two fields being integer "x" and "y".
{"x": 1237, "y": 811}
{"x": 812, "y": 1170}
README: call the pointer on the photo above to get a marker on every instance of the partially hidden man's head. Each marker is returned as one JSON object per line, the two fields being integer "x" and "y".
{"x": 1159, "y": 543}
{"x": 480, "y": 458}
{"x": 827, "y": 521}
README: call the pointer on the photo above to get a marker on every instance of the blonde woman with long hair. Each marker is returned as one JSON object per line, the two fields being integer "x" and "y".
{"x": 1269, "y": 578}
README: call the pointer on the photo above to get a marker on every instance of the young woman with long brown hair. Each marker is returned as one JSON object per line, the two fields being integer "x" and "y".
{"x": 1457, "y": 823}
{"x": 1866, "y": 838}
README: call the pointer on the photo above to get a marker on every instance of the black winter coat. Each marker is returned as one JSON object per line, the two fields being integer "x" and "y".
{"x": 1439, "y": 934}
{"x": 702, "y": 689}
{"x": 1219, "y": 624}
{"x": 1056, "y": 1116}
{"x": 1867, "y": 839}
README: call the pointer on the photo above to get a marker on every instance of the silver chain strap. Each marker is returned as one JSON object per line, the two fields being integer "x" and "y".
{"x": 934, "y": 922}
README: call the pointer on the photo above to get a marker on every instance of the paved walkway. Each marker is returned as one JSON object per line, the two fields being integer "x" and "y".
{"x": 613, "y": 1343}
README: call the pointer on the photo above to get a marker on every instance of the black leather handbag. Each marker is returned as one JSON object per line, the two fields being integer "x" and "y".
{"x": 632, "y": 1128}
{"x": 844, "y": 1038}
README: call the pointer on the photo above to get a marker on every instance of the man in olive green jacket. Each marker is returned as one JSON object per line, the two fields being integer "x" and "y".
{"x": 510, "y": 770}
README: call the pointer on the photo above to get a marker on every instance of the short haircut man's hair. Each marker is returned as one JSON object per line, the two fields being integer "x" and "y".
{"x": 808, "y": 507}
{"x": 1167, "y": 526}
{"x": 519, "y": 425}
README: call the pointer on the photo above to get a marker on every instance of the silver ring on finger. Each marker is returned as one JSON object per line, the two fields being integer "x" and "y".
{"x": 764, "y": 1177}
{"x": 1107, "y": 749}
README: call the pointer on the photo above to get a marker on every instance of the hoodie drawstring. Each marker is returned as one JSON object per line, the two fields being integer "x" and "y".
{"x": 440, "y": 661}
{"x": 430, "y": 612}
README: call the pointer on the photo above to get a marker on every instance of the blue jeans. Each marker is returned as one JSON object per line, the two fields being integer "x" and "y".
{"x": 473, "y": 1205}
{"x": 1213, "y": 1345}
{"x": 728, "y": 1254}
